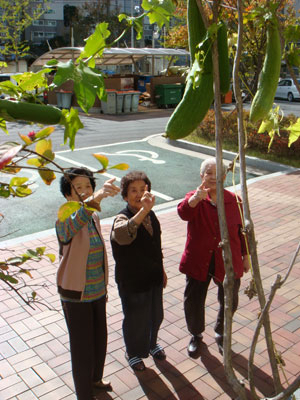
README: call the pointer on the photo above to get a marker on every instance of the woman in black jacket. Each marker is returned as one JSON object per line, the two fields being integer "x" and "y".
{"x": 136, "y": 246}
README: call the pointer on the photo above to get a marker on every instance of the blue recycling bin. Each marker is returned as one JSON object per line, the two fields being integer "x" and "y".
{"x": 141, "y": 84}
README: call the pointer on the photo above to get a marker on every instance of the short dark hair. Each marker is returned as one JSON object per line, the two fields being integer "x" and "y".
{"x": 72, "y": 173}
{"x": 132, "y": 177}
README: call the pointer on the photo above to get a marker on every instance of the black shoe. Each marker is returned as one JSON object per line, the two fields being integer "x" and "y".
{"x": 158, "y": 353}
{"x": 103, "y": 385}
{"x": 136, "y": 363}
{"x": 219, "y": 341}
{"x": 194, "y": 346}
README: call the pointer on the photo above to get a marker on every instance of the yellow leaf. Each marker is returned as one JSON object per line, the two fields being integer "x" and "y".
{"x": 67, "y": 209}
{"x": 34, "y": 161}
{"x": 294, "y": 132}
{"x": 43, "y": 145}
{"x": 25, "y": 271}
{"x": 44, "y": 132}
{"x": 51, "y": 257}
{"x": 26, "y": 139}
{"x": 122, "y": 167}
{"x": 266, "y": 126}
{"x": 47, "y": 175}
{"x": 102, "y": 159}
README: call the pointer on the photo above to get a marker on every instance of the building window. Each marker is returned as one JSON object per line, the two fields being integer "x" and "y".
{"x": 42, "y": 35}
{"x": 38, "y": 22}
{"x": 50, "y": 23}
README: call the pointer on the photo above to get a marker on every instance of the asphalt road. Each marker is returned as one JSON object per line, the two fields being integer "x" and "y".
{"x": 101, "y": 129}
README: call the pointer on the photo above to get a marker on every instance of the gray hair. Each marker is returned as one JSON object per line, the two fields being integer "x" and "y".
{"x": 210, "y": 161}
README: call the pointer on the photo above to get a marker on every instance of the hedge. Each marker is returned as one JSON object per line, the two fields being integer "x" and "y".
{"x": 258, "y": 141}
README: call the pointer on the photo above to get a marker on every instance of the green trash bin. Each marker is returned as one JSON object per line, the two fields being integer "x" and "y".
{"x": 109, "y": 106}
{"x": 168, "y": 95}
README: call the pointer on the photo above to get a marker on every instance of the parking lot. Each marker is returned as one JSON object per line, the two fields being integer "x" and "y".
{"x": 172, "y": 173}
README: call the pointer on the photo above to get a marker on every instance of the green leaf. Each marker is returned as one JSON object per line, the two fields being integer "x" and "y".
{"x": 72, "y": 123}
{"x": 65, "y": 72}
{"x": 294, "y": 132}
{"x": 17, "y": 181}
{"x": 102, "y": 159}
{"x": 29, "y": 81}
{"x": 10, "y": 88}
{"x": 87, "y": 85}
{"x": 67, "y": 209}
{"x": 52, "y": 62}
{"x": 8, "y": 278}
{"x": 96, "y": 43}
{"x": 4, "y": 192}
{"x": 122, "y": 167}
{"x": 31, "y": 253}
{"x": 15, "y": 261}
{"x": 159, "y": 11}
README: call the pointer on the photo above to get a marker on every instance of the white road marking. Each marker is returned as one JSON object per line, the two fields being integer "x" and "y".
{"x": 131, "y": 153}
{"x": 108, "y": 145}
{"x": 158, "y": 194}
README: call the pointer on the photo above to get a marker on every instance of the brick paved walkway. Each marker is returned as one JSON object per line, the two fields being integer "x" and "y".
{"x": 34, "y": 352}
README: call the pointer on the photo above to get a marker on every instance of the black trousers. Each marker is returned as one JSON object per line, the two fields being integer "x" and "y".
{"x": 194, "y": 302}
{"x": 86, "y": 322}
{"x": 143, "y": 315}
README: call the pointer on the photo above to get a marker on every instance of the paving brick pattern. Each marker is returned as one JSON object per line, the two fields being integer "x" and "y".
{"x": 34, "y": 347}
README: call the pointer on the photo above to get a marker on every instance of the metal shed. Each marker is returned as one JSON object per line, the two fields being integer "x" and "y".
{"x": 111, "y": 56}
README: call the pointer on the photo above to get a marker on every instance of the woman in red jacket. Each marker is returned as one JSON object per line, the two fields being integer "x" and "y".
{"x": 202, "y": 257}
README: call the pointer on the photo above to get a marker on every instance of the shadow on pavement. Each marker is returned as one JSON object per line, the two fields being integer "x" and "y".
{"x": 183, "y": 388}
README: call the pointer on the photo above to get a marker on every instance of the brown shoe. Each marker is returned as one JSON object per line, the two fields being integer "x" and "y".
{"x": 103, "y": 385}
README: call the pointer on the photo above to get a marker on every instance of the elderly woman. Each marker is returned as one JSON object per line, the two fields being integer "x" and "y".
{"x": 202, "y": 257}
{"x": 136, "y": 246}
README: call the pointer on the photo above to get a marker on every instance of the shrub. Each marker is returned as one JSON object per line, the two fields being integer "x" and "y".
{"x": 259, "y": 141}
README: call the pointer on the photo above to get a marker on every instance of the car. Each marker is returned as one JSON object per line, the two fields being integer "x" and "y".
{"x": 287, "y": 90}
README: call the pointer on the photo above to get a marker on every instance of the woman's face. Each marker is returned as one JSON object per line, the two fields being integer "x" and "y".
{"x": 135, "y": 192}
{"x": 209, "y": 178}
{"x": 83, "y": 186}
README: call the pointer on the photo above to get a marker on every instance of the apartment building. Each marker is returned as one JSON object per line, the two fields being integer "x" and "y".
{"x": 51, "y": 24}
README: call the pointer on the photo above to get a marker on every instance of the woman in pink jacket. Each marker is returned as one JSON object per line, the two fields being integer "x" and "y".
{"x": 82, "y": 280}
{"x": 202, "y": 257}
